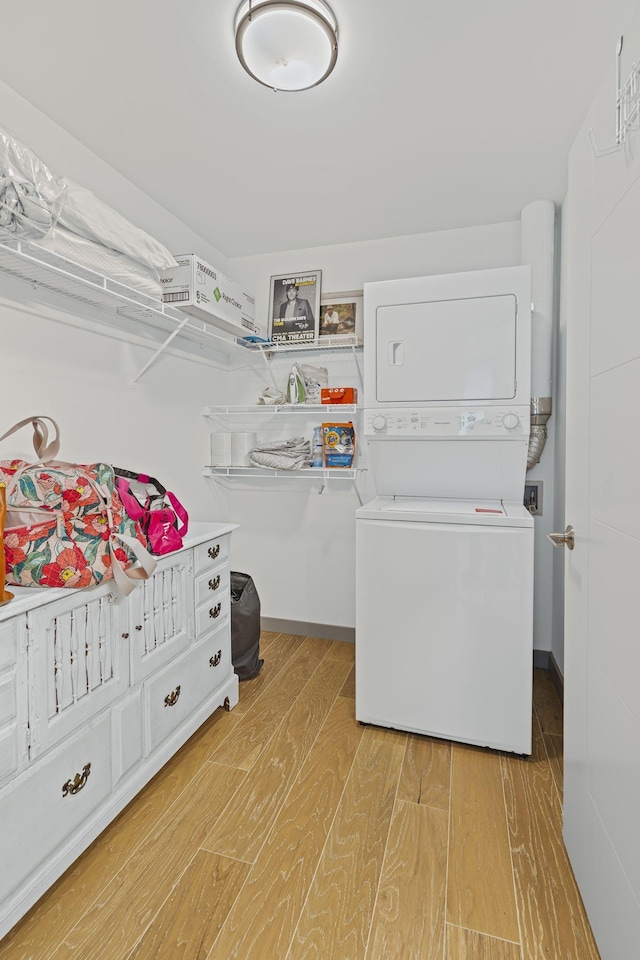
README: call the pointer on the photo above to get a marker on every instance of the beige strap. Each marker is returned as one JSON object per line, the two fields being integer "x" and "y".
{"x": 125, "y": 579}
{"x": 45, "y": 451}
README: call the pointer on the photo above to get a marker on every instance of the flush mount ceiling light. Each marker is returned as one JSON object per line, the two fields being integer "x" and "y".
{"x": 287, "y": 44}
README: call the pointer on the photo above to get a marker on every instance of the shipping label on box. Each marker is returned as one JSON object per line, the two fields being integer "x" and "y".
{"x": 203, "y": 291}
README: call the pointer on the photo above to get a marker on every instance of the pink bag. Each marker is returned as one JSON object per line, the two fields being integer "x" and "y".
{"x": 163, "y": 519}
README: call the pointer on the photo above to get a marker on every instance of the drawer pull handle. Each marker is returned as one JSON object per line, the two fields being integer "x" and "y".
{"x": 214, "y": 551}
{"x": 172, "y": 698}
{"x": 214, "y": 661}
{"x": 138, "y": 626}
{"x": 125, "y": 636}
{"x": 215, "y": 583}
{"x": 71, "y": 787}
{"x": 215, "y": 611}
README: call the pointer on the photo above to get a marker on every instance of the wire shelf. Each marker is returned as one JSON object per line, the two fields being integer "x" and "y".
{"x": 305, "y": 473}
{"x": 342, "y": 342}
{"x": 129, "y": 310}
{"x": 281, "y": 410}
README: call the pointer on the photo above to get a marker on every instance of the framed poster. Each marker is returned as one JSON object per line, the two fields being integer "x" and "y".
{"x": 341, "y": 317}
{"x": 294, "y": 307}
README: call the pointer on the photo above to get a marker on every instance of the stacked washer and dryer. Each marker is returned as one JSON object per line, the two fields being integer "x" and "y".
{"x": 444, "y": 554}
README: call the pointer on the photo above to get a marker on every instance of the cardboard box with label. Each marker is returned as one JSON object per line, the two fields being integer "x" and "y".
{"x": 203, "y": 291}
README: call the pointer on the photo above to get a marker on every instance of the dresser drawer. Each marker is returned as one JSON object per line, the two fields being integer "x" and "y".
{"x": 127, "y": 740}
{"x": 212, "y": 614}
{"x": 51, "y": 800}
{"x": 173, "y": 695}
{"x": 207, "y": 555}
{"x": 210, "y": 585}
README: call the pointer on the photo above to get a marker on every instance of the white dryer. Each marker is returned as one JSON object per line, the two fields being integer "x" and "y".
{"x": 444, "y": 555}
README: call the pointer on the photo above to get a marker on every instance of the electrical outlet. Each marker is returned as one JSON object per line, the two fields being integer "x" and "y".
{"x": 533, "y": 497}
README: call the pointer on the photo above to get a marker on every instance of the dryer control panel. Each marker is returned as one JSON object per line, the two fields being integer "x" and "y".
{"x": 474, "y": 423}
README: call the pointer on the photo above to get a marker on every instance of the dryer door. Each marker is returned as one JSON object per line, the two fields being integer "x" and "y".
{"x": 442, "y": 351}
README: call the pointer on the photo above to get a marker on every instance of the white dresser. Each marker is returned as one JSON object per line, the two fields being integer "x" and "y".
{"x": 97, "y": 692}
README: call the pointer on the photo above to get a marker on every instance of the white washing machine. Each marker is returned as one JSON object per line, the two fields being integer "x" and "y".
{"x": 443, "y": 636}
{"x": 444, "y": 555}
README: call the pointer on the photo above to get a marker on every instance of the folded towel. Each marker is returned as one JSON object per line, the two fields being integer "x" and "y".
{"x": 271, "y": 397}
{"x": 291, "y": 454}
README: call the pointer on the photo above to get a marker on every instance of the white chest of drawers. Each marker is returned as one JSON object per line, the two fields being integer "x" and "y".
{"x": 97, "y": 692}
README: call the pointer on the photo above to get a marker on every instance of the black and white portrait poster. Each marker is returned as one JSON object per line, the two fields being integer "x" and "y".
{"x": 294, "y": 307}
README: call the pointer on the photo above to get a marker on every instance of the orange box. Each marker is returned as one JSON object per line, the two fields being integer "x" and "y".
{"x": 338, "y": 395}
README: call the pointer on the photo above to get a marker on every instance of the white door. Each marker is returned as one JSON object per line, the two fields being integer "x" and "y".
{"x": 602, "y": 574}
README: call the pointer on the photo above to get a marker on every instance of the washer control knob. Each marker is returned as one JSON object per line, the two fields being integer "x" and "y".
{"x": 510, "y": 421}
{"x": 379, "y": 423}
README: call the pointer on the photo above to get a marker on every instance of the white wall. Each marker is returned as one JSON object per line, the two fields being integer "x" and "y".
{"x": 50, "y": 365}
{"x": 64, "y": 361}
{"x": 543, "y": 593}
{"x": 560, "y": 417}
{"x": 67, "y": 157}
{"x": 300, "y": 547}
{"x": 347, "y": 266}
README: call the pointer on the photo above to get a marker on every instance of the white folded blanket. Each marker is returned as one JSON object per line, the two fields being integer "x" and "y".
{"x": 291, "y": 454}
{"x": 104, "y": 262}
{"x": 87, "y": 215}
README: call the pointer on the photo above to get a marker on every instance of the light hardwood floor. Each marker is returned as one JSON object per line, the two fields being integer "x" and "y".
{"x": 286, "y": 830}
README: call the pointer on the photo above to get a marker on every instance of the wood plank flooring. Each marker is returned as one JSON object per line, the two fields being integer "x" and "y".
{"x": 285, "y": 830}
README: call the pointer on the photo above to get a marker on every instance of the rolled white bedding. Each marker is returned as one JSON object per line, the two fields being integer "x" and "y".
{"x": 37, "y": 205}
{"x": 30, "y": 196}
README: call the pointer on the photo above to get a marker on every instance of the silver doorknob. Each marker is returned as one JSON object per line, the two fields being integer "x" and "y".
{"x": 563, "y": 539}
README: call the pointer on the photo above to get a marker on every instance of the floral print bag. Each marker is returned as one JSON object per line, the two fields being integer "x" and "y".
{"x": 65, "y": 524}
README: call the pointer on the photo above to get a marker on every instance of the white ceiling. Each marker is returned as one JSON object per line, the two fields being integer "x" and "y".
{"x": 439, "y": 113}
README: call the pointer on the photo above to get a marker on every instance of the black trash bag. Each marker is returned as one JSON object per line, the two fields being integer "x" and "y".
{"x": 245, "y": 626}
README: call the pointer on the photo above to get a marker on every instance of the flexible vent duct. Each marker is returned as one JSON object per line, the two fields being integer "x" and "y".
{"x": 537, "y": 235}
